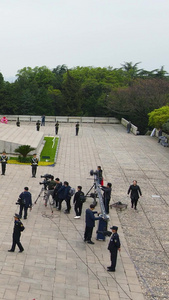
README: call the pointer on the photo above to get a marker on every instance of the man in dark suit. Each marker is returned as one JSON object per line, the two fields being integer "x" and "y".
{"x": 90, "y": 223}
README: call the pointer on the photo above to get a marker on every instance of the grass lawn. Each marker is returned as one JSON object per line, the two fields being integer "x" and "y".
{"x": 49, "y": 149}
{"x": 48, "y": 152}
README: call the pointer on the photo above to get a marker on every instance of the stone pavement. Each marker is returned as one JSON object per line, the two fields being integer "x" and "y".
{"x": 56, "y": 263}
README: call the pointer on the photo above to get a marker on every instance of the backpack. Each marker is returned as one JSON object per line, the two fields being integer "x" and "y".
{"x": 71, "y": 191}
{"x": 82, "y": 197}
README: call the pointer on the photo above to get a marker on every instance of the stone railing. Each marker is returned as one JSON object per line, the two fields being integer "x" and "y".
{"x": 134, "y": 129}
{"x": 63, "y": 119}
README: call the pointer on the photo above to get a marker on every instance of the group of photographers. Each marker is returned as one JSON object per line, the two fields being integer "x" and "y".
{"x": 62, "y": 192}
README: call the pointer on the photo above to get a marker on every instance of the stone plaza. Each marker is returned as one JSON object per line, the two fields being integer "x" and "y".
{"x": 56, "y": 263}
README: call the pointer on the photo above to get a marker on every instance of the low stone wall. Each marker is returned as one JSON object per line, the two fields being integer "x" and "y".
{"x": 134, "y": 129}
{"x": 62, "y": 119}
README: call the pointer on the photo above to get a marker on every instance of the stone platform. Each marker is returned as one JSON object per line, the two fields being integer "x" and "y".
{"x": 56, "y": 263}
{"x": 12, "y": 137}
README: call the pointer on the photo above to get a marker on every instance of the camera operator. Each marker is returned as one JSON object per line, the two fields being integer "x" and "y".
{"x": 106, "y": 196}
{"x": 63, "y": 194}
{"x": 51, "y": 185}
{"x": 100, "y": 175}
{"x": 55, "y": 195}
{"x": 25, "y": 202}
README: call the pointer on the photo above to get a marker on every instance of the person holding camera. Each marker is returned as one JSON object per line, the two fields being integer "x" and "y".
{"x": 55, "y": 195}
{"x": 4, "y": 160}
{"x": 25, "y": 202}
{"x": 51, "y": 185}
{"x": 34, "y": 164}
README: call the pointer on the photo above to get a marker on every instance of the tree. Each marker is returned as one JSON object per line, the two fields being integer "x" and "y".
{"x": 24, "y": 150}
{"x": 136, "y": 101}
{"x": 158, "y": 117}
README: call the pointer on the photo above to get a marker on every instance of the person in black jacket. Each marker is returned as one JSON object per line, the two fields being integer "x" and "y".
{"x": 63, "y": 194}
{"x": 90, "y": 223}
{"x": 78, "y": 203}
{"x": 25, "y": 202}
{"x": 38, "y": 125}
{"x": 77, "y": 128}
{"x": 113, "y": 247}
{"x": 106, "y": 196}
{"x": 51, "y": 185}
{"x": 134, "y": 191}
{"x": 4, "y": 160}
{"x": 55, "y": 195}
{"x": 56, "y": 127}
{"x": 18, "y": 228}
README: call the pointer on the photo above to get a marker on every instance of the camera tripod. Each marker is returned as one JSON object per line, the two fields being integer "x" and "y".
{"x": 41, "y": 191}
{"x": 92, "y": 195}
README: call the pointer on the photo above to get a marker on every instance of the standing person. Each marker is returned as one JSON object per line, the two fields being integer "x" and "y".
{"x": 100, "y": 175}
{"x": 106, "y": 196}
{"x": 160, "y": 133}
{"x": 18, "y": 228}
{"x": 90, "y": 223}
{"x": 63, "y": 194}
{"x": 56, "y": 127}
{"x": 18, "y": 122}
{"x": 4, "y": 160}
{"x": 51, "y": 185}
{"x": 134, "y": 191}
{"x": 38, "y": 125}
{"x": 77, "y": 128}
{"x": 34, "y": 164}
{"x": 43, "y": 120}
{"x": 78, "y": 202}
{"x": 25, "y": 202}
{"x": 55, "y": 195}
{"x": 129, "y": 127}
{"x": 113, "y": 247}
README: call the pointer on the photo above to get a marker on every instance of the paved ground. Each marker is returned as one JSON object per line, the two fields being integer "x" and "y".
{"x": 56, "y": 263}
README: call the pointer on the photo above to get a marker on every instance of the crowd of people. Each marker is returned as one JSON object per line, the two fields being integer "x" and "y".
{"x": 56, "y": 193}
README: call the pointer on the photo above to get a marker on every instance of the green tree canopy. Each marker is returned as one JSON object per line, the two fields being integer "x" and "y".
{"x": 159, "y": 116}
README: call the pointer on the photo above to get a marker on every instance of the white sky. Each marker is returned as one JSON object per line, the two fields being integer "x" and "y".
{"x": 83, "y": 33}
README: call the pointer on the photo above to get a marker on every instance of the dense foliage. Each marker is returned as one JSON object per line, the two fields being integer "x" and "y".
{"x": 158, "y": 117}
{"x": 126, "y": 92}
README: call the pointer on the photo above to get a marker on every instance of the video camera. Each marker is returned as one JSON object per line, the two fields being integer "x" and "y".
{"x": 46, "y": 180}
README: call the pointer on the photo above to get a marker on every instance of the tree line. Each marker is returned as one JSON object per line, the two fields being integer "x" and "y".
{"x": 127, "y": 92}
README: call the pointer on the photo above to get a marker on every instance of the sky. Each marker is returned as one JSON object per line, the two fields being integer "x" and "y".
{"x": 98, "y": 33}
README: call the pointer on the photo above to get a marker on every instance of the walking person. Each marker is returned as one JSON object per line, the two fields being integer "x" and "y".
{"x": 18, "y": 228}
{"x": 4, "y": 160}
{"x": 56, "y": 127}
{"x": 134, "y": 191}
{"x": 25, "y": 202}
{"x": 113, "y": 247}
{"x": 78, "y": 201}
{"x": 90, "y": 223}
{"x": 34, "y": 164}
{"x": 77, "y": 128}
